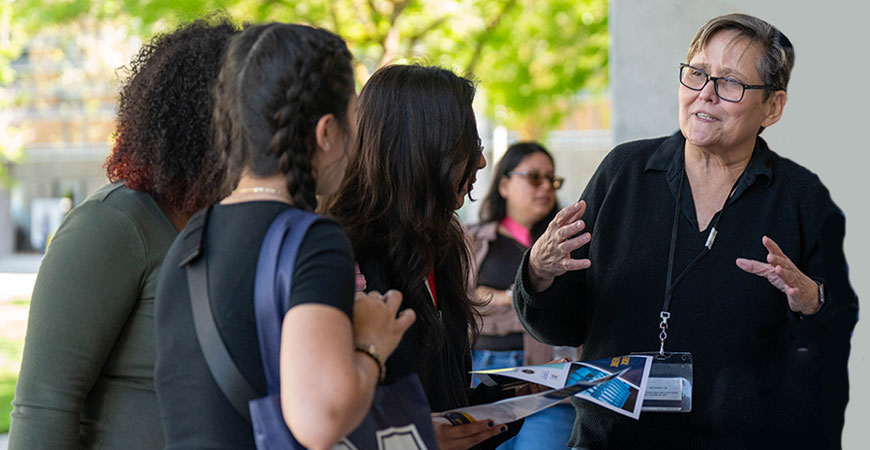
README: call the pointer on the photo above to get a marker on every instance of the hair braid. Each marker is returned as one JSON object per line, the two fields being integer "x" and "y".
{"x": 292, "y": 142}
{"x": 280, "y": 80}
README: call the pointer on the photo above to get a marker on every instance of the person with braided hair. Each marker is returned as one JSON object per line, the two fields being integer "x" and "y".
{"x": 417, "y": 153}
{"x": 284, "y": 115}
{"x": 86, "y": 377}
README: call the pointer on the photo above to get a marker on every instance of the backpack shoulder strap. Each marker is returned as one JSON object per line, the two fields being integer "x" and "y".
{"x": 224, "y": 370}
{"x": 273, "y": 283}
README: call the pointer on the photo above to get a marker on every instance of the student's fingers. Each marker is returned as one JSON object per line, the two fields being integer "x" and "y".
{"x": 461, "y": 437}
{"x": 406, "y": 319}
{"x": 393, "y": 300}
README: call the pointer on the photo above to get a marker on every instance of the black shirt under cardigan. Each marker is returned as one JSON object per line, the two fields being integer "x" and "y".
{"x": 763, "y": 375}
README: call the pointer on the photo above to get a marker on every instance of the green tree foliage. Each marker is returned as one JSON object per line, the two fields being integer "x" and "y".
{"x": 530, "y": 57}
{"x": 10, "y": 137}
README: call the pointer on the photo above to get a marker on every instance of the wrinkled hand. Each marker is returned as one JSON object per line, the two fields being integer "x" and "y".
{"x": 462, "y": 437}
{"x": 375, "y": 321}
{"x": 802, "y": 292}
{"x": 551, "y": 253}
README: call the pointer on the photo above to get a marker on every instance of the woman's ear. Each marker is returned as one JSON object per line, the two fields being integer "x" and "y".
{"x": 775, "y": 107}
{"x": 502, "y": 187}
{"x": 325, "y": 131}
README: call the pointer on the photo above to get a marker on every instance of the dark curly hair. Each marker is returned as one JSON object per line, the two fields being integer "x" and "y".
{"x": 494, "y": 207}
{"x": 278, "y": 81}
{"x": 162, "y": 139}
{"x": 416, "y": 133}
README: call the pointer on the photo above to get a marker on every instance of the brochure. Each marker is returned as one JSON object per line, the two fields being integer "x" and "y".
{"x": 511, "y": 409}
{"x": 623, "y": 391}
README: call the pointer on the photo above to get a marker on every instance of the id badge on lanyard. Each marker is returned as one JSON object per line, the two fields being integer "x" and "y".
{"x": 671, "y": 375}
{"x": 669, "y": 388}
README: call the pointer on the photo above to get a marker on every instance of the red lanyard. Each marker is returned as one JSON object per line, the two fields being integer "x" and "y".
{"x": 430, "y": 285}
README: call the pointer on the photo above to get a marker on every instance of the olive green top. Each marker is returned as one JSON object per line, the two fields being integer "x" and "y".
{"x": 86, "y": 378}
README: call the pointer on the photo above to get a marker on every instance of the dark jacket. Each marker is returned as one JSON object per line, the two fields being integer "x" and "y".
{"x": 442, "y": 366}
{"x": 764, "y": 376}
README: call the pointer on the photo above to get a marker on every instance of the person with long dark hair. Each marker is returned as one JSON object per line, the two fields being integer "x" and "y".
{"x": 283, "y": 118}
{"x": 519, "y": 205}
{"x": 86, "y": 377}
{"x": 417, "y": 154}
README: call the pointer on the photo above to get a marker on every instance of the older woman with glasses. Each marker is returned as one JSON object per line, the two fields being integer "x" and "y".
{"x": 709, "y": 249}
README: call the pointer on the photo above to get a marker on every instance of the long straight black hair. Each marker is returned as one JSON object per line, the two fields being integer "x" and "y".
{"x": 417, "y": 135}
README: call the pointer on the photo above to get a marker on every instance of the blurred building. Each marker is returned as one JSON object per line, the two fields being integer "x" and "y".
{"x": 578, "y": 145}
{"x": 64, "y": 96}
{"x": 65, "y": 92}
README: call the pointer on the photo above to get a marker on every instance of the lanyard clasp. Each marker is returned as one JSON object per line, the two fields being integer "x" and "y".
{"x": 664, "y": 334}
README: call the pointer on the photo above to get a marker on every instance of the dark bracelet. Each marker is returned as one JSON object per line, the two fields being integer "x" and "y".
{"x": 370, "y": 350}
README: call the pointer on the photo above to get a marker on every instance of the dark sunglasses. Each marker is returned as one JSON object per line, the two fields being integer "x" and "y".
{"x": 536, "y": 178}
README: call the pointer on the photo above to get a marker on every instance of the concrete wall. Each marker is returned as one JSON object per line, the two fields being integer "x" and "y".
{"x": 6, "y": 228}
{"x": 48, "y": 171}
{"x": 649, "y": 40}
{"x": 576, "y": 153}
{"x": 824, "y": 126}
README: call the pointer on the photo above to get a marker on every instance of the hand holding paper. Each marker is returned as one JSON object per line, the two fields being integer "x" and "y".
{"x": 616, "y": 383}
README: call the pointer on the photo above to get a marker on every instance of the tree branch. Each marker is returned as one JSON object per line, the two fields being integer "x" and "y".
{"x": 416, "y": 37}
{"x": 336, "y": 27}
{"x": 370, "y": 22}
{"x": 390, "y": 41}
{"x": 481, "y": 41}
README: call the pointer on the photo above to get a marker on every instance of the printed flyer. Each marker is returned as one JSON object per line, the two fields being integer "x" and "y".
{"x": 511, "y": 409}
{"x": 622, "y": 393}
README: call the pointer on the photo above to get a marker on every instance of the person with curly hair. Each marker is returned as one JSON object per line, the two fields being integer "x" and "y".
{"x": 284, "y": 116}
{"x": 86, "y": 377}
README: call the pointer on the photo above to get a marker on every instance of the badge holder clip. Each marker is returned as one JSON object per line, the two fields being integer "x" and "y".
{"x": 669, "y": 388}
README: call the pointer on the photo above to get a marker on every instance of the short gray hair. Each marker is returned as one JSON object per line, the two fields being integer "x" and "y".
{"x": 777, "y": 58}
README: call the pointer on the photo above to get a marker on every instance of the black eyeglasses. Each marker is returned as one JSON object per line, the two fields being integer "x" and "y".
{"x": 727, "y": 89}
{"x": 536, "y": 178}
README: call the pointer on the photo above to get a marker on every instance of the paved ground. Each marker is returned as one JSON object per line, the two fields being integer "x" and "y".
{"x": 17, "y": 275}
{"x": 19, "y": 263}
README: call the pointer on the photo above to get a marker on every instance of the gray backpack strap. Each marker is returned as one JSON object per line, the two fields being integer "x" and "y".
{"x": 224, "y": 370}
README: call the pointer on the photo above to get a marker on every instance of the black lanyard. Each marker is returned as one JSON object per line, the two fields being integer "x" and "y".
{"x": 671, "y": 283}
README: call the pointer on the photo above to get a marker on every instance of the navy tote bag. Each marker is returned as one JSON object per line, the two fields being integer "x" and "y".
{"x": 399, "y": 416}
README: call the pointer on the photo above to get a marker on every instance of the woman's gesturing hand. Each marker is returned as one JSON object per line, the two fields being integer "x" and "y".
{"x": 551, "y": 254}
{"x": 375, "y": 321}
{"x": 802, "y": 292}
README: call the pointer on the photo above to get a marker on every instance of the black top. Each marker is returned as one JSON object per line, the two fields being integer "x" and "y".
{"x": 194, "y": 412}
{"x": 764, "y": 375}
{"x": 443, "y": 366}
{"x": 499, "y": 267}
{"x": 498, "y": 271}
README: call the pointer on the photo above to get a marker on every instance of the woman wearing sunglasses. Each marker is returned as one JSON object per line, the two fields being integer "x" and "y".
{"x": 520, "y": 203}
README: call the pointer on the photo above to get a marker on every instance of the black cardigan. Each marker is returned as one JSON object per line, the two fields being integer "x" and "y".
{"x": 764, "y": 375}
